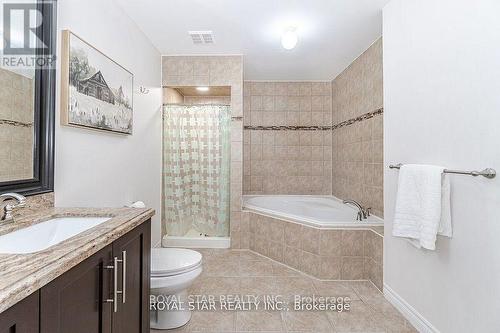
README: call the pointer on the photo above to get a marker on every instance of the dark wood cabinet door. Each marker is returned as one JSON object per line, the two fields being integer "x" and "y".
{"x": 22, "y": 317}
{"x": 132, "y": 315}
{"x": 75, "y": 302}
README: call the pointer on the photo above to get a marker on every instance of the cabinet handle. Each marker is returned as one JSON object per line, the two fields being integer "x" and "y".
{"x": 117, "y": 292}
{"x": 114, "y": 300}
{"x": 124, "y": 276}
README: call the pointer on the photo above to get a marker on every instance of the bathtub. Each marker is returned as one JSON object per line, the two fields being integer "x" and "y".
{"x": 323, "y": 212}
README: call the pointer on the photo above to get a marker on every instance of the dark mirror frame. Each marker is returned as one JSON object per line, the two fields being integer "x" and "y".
{"x": 44, "y": 116}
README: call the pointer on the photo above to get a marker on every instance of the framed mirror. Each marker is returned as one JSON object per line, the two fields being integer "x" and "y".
{"x": 27, "y": 98}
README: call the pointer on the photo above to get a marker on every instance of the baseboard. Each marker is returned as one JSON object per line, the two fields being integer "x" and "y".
{"x": 413, "y": 316}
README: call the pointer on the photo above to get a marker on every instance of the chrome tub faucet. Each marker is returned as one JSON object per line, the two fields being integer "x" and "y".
{"x": 363, "y": 213}
{"x": 20, "y": 201}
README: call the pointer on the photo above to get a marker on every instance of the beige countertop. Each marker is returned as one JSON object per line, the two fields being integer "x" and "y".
{"x": 22, "y": 274}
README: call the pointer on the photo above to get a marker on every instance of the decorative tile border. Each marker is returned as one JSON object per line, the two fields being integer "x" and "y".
{"x": 365, "y": 116}
{"x": 318, "y": 128}
{"x": 15, "y": 123}
{"x": 289, "y": 128}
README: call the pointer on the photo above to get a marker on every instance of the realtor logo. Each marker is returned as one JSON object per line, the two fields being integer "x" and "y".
{"x": 25, "y": 44}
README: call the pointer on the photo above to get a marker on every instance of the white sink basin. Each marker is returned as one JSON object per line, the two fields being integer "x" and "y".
{"x": 43, "y": 235}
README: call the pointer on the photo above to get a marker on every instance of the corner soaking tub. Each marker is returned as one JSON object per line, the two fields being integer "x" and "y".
{"x": 323, "y": 212}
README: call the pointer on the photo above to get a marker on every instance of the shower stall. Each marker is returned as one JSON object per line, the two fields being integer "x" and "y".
{"x": 196, "y": 167}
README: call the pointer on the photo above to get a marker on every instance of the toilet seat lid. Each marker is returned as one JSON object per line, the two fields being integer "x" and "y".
{"x": 173, "y": 261}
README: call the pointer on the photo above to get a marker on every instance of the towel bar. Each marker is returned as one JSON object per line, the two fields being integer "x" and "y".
{"x": 488, "y": 172}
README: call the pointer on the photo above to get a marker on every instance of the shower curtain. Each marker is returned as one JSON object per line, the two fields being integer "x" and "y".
{"x": 196, "y": 150}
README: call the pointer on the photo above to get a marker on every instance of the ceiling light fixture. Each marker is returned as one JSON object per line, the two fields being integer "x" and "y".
{"x": 203, "y": 89}
{"x": 289, "y": 39}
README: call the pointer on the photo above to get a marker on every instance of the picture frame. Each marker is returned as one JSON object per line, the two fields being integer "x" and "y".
{"x": 96, "y": 91}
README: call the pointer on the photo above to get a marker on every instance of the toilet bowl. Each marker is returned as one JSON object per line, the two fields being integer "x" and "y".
{"x": 173, "y": 271}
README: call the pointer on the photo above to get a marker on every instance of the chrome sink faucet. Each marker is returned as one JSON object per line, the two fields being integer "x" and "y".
{"x": 7, "y": 210}
{"x": 363, "y": 213}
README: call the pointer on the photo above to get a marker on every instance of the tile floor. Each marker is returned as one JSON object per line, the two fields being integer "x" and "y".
{"x": 243, "y": 272}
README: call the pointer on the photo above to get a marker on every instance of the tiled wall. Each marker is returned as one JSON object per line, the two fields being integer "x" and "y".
{"x": 207, "y": 100}
{"x": 374, "y": 257}
{"x": 16, "y": 126}
{"x": 287, "y": 161}
{"x": 345, "y": 162}
{"x": 358, "y": 147}
{"x": 325, "y": 254}
{"x": 172, "y": 96}
{"x": 217, "y": 71}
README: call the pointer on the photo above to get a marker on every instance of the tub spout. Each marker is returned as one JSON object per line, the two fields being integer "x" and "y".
{"x": 362, "y": 212}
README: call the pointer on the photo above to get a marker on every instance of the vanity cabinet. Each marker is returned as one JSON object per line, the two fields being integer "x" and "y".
{"x": 75, "y": 301}
{"x": 132, "y": 313}
{"x": 106, "y": 293}
{"x": 22, "y": 317}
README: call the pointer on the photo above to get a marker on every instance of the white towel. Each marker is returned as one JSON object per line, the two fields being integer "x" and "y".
{"x": 422, "y": 205}
{"x": 137, "y": 204}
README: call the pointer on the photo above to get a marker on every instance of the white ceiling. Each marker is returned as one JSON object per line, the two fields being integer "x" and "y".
{"x": 332, "y": 33}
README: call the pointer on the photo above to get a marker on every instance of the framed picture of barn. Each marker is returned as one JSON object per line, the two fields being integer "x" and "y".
{"x": 96, "y": 92}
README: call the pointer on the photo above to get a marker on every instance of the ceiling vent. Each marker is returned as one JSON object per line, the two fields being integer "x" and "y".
{"x": 202, "y": 37}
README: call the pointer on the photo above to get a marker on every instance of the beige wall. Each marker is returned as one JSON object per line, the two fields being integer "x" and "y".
{"x": 16, "y": 126}
{"x": 217, "y": 71}
{"x": 289, "y": 161}
{"x": 358, "y": 147}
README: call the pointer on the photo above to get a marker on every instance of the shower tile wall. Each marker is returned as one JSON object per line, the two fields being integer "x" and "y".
{"x": 287, "y": 161}
{"x": 217, "y": 71}
{"x": 358, "y": 148}
{"x": 207, "y": 100}
{"x": 16, "y": 126}
{"x": 173, "y": 96}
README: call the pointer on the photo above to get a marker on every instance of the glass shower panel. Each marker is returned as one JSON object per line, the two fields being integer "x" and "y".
{"x": 196, "y": 161}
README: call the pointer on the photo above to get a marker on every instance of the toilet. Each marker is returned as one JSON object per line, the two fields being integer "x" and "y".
{"x": 173, "y": 271}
